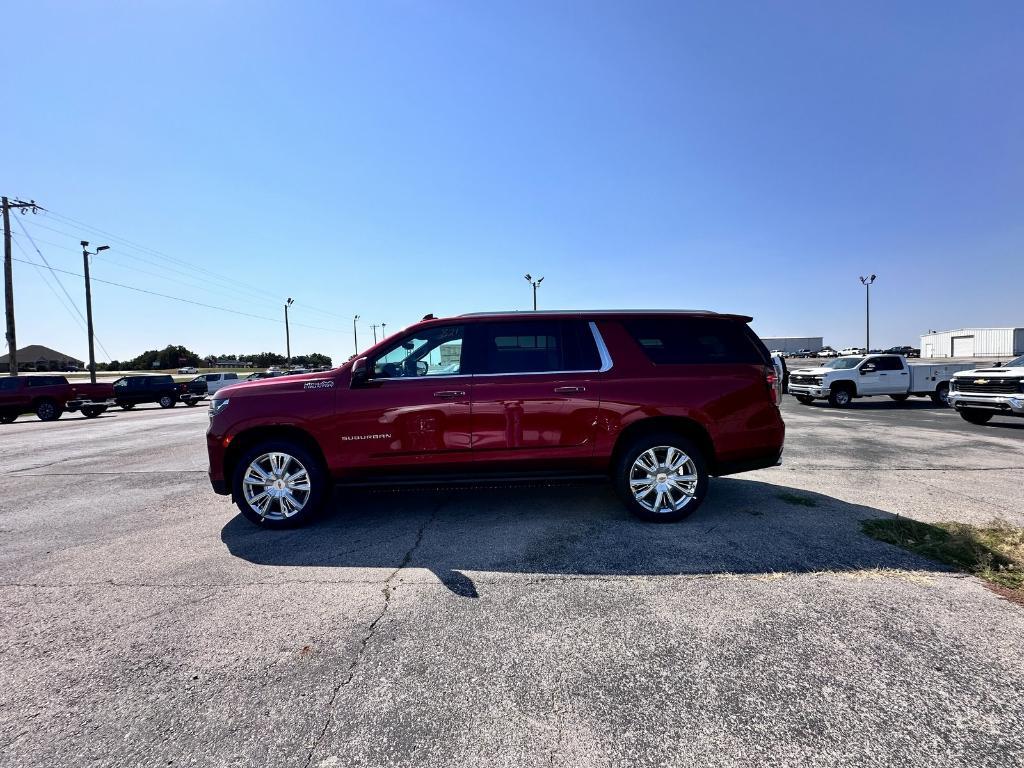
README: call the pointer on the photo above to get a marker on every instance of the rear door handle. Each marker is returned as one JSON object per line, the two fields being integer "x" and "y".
{"x": 450, "y": 393}
{"x": 569, "y": 390}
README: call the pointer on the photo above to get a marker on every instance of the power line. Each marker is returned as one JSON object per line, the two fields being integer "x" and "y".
{"x": 58, "y": 281}
{"x": 179, "y": 298}
{"x": 234, "y": 281}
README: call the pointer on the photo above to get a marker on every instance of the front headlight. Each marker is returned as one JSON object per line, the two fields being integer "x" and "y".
{"x": 216, "y": 406}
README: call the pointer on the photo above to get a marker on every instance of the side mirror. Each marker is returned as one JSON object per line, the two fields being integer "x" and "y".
{"x": 360, "y": 372}
{"x": 869, "y": 368}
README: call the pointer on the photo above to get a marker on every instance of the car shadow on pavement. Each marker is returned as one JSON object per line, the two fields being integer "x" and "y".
{"x": 745, "y": 527}
{"x": 881, "y": 404}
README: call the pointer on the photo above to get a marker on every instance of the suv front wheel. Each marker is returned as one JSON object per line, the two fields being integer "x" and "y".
{"x": 279, "y": 484}
{"x": 661, "y": 478}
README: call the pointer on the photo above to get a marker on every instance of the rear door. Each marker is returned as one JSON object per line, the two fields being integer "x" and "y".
{"x": 535, "y": 391}
{"x": 10, "y": 393}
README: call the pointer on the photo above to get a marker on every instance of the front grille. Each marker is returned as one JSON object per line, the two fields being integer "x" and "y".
{"x": 986, "y": 386}
{"x": 798, "y": 379}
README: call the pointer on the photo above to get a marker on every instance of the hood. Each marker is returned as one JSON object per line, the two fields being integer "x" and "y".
{"x": 281, "y": 384}
{"x": 820, "y": 371}
{"x": 991, "y": 373}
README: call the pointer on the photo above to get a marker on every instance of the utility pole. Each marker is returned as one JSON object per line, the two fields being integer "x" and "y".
{"x": 535, "y": 284}
{"x": 287, "y": 334}
{"x": 867, "y": 281}
{"x": 374, "y": 327}
{"x": 12, "y": 341}
{"x": 355, "y": 334}
{"x": 88, "y": 304}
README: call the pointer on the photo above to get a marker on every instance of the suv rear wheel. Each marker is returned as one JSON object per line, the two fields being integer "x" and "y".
{"x": 661, "y": 478}
{"x": 279, "y": 484}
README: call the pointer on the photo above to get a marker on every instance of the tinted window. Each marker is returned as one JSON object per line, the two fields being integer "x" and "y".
{"x": 689, "y": 340}
{"x": 159, "y": 382}
{"x": 887, "y": 364}
{"x": 230, "y": 376}
{"x": 8, "y": 383}
{"x": 532, "y": 346}
{"x": 46, "y": 381}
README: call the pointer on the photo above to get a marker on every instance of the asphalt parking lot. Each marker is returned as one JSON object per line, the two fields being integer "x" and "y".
{"x": 145, "y": 623}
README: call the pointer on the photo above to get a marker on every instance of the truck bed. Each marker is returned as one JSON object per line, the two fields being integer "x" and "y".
{"x": 925, "y": 376}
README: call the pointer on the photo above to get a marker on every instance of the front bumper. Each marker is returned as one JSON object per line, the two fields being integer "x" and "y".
{"x": 808, "y": 390}
{"x": 1011, "y": 405}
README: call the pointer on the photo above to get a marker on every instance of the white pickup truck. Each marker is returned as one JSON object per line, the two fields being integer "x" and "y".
{"x": 981, "y": 393}
{"x": 841, "y": 380}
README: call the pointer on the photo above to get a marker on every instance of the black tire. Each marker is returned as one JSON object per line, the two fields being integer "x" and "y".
{"x": 48, "y": 410}
{"x": 941, "y": 394}
{"x": 126, "y": 406}
{"x": 8, "y": 418}
{"x": 975, "y": 416}
{"x": 839, "y": 397}
{"x": 167, "y": 401}
{"x": 92, "y": 413}
{"x": 900, "y": 398}
{"x": 625, "y": 470}
{"x": 191, "y": 403}
{"x": 320, "y": 484}
{"x": 805, "y": 399}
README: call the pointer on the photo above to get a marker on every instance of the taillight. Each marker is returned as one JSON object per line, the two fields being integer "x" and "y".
{"x": 774, "y": 385}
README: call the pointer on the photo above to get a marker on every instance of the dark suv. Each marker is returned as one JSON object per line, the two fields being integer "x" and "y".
{"x": 130, "y": 391}
{"x": 658, "y": 400}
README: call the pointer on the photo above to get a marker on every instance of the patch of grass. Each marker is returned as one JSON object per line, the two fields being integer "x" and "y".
{"x": 797, "y": 500}
{"x": 994, "y": 553}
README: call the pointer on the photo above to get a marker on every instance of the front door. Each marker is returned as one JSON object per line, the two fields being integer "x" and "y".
{"x": 412, "y": 412}
{"x": 535, "y": 392}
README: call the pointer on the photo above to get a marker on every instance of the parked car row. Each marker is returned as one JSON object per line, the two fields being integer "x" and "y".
{"x": 846, "y": 378}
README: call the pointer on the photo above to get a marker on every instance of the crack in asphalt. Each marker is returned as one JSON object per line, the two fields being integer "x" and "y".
{"x": 387, "y": 590}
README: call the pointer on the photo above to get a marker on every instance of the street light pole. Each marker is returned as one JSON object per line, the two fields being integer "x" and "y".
{"x": 535, "y": 284}
{"x": 374, "y": 327}
{"x": 287, "y": 333}
{"x": 88, "y": 304}
{"x": 355, "y": 334}
{"x": 867, "y": 281}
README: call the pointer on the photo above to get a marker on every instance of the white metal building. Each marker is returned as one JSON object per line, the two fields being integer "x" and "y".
{"x": 974, "y": 342}
{"x": 791, "y": 344}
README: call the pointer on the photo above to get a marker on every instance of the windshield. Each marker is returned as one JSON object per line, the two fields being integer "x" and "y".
{"x": 842, "y": 363}
{"x": 1017, "y": 362}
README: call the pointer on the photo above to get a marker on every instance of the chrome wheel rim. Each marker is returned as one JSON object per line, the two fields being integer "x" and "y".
{"x": 45, "y": 411}
{"x": 663, "y": 479}
{"x": 842, "y": 397}
{"x": 276, "y": 486}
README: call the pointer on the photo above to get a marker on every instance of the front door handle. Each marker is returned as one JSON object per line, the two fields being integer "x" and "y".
{"x": 450, "y": 393}
{"x": 569, "y": 390}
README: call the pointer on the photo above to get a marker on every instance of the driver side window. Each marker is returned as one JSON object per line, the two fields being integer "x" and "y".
{"x": 429, "y": 352}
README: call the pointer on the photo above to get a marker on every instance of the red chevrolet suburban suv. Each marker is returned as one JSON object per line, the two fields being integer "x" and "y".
{"x": 658, "y": 400}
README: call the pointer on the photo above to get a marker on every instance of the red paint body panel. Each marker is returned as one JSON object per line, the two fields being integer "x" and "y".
{"x": 506, "y": 422}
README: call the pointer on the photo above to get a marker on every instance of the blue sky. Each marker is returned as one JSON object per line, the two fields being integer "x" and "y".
{"x": 396, "y": 158}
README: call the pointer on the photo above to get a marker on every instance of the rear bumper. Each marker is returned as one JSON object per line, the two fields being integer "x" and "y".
{"x": 1011, "y": 405}
{"x": 734, "y": 467}
{"x": 80, "y": 403}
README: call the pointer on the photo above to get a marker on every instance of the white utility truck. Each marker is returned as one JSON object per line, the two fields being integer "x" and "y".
{"x": 981, "y": 393}
{"x": 841, "y": 380}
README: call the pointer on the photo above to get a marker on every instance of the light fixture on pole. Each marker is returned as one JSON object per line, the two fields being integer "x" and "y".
{"x": 535, "y": 284}
{"x": 355, "y": 334}
{"x": 867, "y": 281}
{"x": 88, "y": 304}
{"x": 287, "y": 333}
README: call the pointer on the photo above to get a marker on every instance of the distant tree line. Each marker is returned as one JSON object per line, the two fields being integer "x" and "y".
{"x": 173, "y": 356}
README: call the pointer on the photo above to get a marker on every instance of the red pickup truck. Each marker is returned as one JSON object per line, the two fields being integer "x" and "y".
{"x": 657, "y": 401}
{"x": 49, "y": 396}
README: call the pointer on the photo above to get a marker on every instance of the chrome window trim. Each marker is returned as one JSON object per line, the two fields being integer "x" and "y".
{"x": 602, "y": 351}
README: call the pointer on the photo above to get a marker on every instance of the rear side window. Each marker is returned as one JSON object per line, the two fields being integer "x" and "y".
{"x": 45, "y": 381}
{"x": 695, "y": 340}
{"x": 887, "y": 364}
{"x": 230, "y": 376}
{"x": 536, "y": 346}
{"x": 8, "y": 383}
